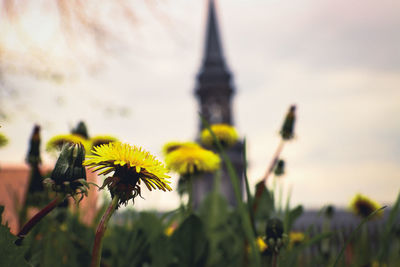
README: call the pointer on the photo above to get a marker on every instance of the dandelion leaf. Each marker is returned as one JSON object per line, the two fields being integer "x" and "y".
{"x": 10, "y": 254}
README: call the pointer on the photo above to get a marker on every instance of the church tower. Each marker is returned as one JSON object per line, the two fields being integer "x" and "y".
{"x": 214, "y": 88}
{"x": 214, "y": 91}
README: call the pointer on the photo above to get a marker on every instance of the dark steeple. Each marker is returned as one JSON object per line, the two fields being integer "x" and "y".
{"x": 214, "y": 88}
{"x": 213, "y": 54}
{"x": 214, "y": 92}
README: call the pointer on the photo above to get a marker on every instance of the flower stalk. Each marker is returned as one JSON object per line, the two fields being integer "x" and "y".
{"x": 37, "y": 218}
{"x": 101, "y": 229}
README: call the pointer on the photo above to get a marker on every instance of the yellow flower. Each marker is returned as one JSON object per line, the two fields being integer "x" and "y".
{"x": 170, "y": 229}
{"x": 3, "y": 140}
{"x": 171, "y": 146}
{"x": 262, "y": 246}
{"x": 56, "y": 142}
{"x": 295, "y": 238}
{"x": 377, "y": 264}
{"x": 225, "y": 133}
{"x": 102, "y": 139}
{"x": 363, "y": 206}
{"x": 191, "y": 159}
{"x": 130, "y": 165}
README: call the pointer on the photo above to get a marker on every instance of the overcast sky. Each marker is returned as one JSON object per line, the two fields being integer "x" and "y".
{"x": 339, "y": 61}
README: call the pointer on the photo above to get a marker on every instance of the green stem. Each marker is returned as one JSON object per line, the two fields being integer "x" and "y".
{"x": 37, "y": 218}
{"x": 190, "y": 193}
{"x": 274, "y": 259}
{"x": 101, "y": 229}
{"x": 246, "y": 221}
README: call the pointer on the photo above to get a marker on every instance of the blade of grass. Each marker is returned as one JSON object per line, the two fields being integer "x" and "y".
{"x": 385, "y": 241}
{"x": 236, "y": 187}
{"x": 248, "y": 193}
{"x": 353, "y": 234}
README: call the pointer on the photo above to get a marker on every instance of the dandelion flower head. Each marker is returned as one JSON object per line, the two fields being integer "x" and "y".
{"x": 57, "y": 142}
{"x": 225, "y": 133}
{"x": 189, "y": 160}
{"x": 131, "y": 166}
{"x": 102, "y": 139}
{"x": 363, "y": 206}
{"x": 173, "y": 145}
{"x": 296, "y": 238}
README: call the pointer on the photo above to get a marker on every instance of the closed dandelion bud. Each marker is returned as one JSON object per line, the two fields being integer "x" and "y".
{"x": 287, "y": 131}
{"x": 274, "y": 228}
{"x": 329, "y": 211}
{"x": 280, "y": 168}
{"x": 33, "y": 157}
{"x": 69, "y": 164}
{"x": 271, "y": 242}
{"x": 279, "y": 242}
{"x": 69, "y": 175}
{"x": 81, "y": 130}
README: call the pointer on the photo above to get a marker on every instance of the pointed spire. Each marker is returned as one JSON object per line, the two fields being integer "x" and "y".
{"x": 213, "y": 54}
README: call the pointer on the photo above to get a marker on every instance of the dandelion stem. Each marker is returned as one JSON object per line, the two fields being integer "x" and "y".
{"x": 190, "y": 192}
{"x": 261, "y": 185}
{"x": 101, "y": 228}
{"x": 35, "y": 219}
{"x": 274, "y": 259}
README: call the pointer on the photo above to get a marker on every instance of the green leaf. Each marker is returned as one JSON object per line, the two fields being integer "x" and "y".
{"x": 10, "y": 254}
{"x": 189, "y": 243}
{"x": 265, "y": 205}
{"x": 291, "y": 216}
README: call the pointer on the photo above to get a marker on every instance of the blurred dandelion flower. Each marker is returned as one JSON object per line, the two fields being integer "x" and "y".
{"x": 262, "y": 246}
{"x": 363, "y": 206}
{"x": 130, "y": 165}
{"x": 3, "y": 140}
{"x": 102, "y": 140}
{"x": 170, "y": 229}
{"x": 57, "y": 142}
{"x": 295, "y": 238}
{"x": 225, "y": 133}
{"x": 191, "y": 159}
{"x": 171, "y": 146}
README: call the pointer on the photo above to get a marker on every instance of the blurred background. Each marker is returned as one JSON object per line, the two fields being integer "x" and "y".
{"x": 128, "y": 69}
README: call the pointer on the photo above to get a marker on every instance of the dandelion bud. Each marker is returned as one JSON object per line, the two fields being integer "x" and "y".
{"x": 280, "y": 168}
{"x": 329, "y": 211}
{"x": 33, "y": 157}
{"x": 69, "y": 164}
{"x": 274, "y": 228}
{"x": 287, "y": 131}
{"x": 81, "y": 130}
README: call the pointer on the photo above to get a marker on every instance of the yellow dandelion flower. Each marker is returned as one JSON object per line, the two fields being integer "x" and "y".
{"x": 102, "y": 139}
{"x": 3, "y": 140}
{"x": 363, "y": 206}
{"x": 295, "y": 238}
{"x": 262, "y": 246}
{"x": 377, "y": 264}
{"x": 171, "y": 146}
{"x": 56, "y": 142}
{"x": 225, "y": 133}
{"x": 131, "y": 165}
{"x": 189, "y": 160}
{"x": 170, "y": 229}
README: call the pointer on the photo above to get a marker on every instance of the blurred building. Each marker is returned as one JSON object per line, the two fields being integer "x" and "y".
{"x": 214, "y": 90}
{"x": 14, "y": 182}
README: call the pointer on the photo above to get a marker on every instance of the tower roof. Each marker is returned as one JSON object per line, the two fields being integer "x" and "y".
{"x": 213, "y": 57}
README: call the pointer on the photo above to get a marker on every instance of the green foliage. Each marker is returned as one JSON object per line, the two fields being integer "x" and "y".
{"x": 189, "y": 243}
{"x": 10, "y": 254}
